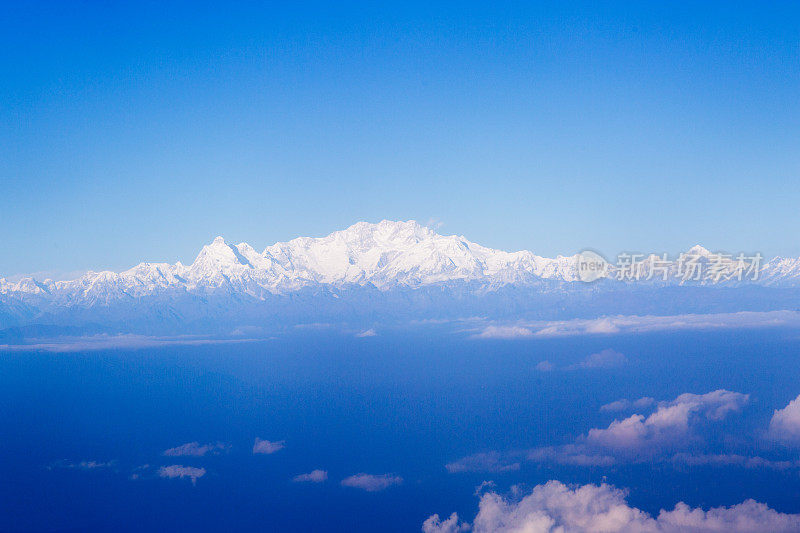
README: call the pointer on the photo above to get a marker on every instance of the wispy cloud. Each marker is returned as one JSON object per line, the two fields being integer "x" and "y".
{"x": 722, "y": 460}
{"x": 262, "y": 446}
{"x": 555, "y": 506}
{"x": 637, "y": 324}
{"x": 315, "y": 476}
{"x": 372, "y": 482}
{"x": 195, "y": 449}
{"x": 367, "y": 333}
{"x": 482, "y": 462}
{"x": 180, "y": 472}
{"x": 110, "y": 342}
{"x": 504, "y": 332}
{"x": 607, "y": 358}
{"x": 83, "y": 465}
{"x": 627, "y": 405}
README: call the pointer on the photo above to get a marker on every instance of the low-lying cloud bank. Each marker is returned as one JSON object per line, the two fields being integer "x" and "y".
{"x": 556, "y": 508}
{"x": 114, "y": 342}
{"x": 638, "y": 324}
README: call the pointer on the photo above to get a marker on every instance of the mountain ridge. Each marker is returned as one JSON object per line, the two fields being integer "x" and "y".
{"x": 384, "y": 254}
{"x": 374, "y": 270}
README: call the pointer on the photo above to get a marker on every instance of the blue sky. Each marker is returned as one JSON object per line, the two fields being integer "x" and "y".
{"x": 140, "y": 132}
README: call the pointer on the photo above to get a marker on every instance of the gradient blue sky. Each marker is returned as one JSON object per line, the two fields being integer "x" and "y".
{"x": 140, "y": 132}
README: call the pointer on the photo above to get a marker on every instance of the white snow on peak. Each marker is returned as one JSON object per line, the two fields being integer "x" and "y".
{"x": 385, "y": 254}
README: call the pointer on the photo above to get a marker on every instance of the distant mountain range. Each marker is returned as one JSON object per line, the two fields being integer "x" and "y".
{"x": 369, "y": 271}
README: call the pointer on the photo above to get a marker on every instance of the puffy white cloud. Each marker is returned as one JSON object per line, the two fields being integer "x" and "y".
{"x": 367, "y": 333}
{"x": 556, "y": 508}
{"x": 545, "y": 366}
{"x": 434, "y": 524}
{"x": 315, "y": 476}
{"x": 180, "y": 472}
{"x": 371, "y": 482}
{"x": 503, "y": 332}
{"x": 785, "y": 424}
{"x": 266, "y": 447}
{"x": 607, "y": 358}
{"x": 669, "y": 424}
{"x": 673, "y": 427}
{"x": 482, "y": 462}
{"x": 194, "y": 449}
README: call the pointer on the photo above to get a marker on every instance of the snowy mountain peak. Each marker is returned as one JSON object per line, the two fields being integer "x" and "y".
{"x": 388, "y": 254}
{"x": 698, "y": 250}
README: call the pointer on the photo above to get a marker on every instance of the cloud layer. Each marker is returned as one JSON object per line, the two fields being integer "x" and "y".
{"x": 638, "y": 324}
{"x": 556, "y": 508}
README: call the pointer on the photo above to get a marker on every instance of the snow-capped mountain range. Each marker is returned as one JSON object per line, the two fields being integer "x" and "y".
{"x": 385, "y": 255}
{"x": 383, "y": 258}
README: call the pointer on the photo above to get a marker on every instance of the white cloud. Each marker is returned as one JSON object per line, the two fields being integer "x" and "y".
{"x": 732, "y": 460}
{"x": 110, "y": 342}
{"x": 626, "y": 405}
{"x": 668, "y": 425}
{"x": 504, "y": 332}
{"x": 570, "y": 454}
{"x": 602, "y": 325}
{"x": 545, "y": 366}
{"x": 367, "y": 333}
{"x": 194, "y": 449}
{"x": 83, "y": 465}
{"x": 672, "y": 427}
{"x": 607, "y": 358}
{"x": 785, "y": 424}
{"x": 315, "y": 476}
{"x": 434, "y": 524}
{"x": 640, "y": 324}
{"x": 482, "y": 462}
{"x": 267, "y": 447}
{"x": 371, "y": 482}
{"x": 556, "y": 508}
{"x": 180, "y": 472}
